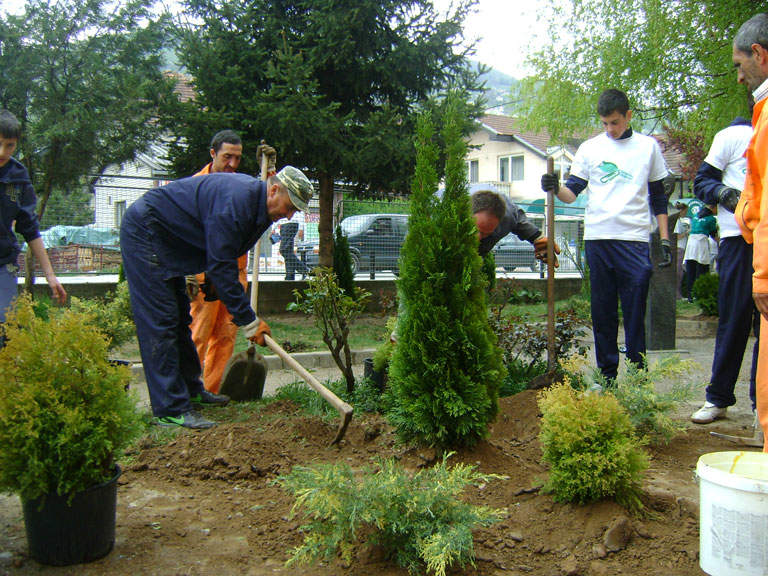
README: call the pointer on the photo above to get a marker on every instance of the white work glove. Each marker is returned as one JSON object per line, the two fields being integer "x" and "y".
{"x": 255, "y": 331}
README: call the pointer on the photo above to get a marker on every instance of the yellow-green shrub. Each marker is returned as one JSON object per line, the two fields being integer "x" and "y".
{"x": 65, "y": 416}
{"x": 589, "y": 443}
{"x": 419, "y": 520}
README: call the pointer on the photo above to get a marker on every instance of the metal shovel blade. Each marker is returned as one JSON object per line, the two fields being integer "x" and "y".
{"x": 740, "y": 440}
{"x": 244, "y": 376}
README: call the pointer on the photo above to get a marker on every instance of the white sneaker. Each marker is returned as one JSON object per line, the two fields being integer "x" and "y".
{"x": 708, "y": 413}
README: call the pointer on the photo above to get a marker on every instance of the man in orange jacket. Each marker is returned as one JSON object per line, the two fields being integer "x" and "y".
{"x": 750, "y": 58}
{"x": 213, "y": 330}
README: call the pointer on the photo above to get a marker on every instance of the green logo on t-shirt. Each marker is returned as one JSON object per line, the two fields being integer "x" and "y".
{"x": 611, "y": 171}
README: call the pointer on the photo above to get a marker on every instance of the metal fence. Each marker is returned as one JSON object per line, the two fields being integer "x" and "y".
{"x": 376, "y": 230}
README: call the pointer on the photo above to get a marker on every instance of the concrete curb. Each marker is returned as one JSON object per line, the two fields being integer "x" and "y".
{"x": 310, "y": 361}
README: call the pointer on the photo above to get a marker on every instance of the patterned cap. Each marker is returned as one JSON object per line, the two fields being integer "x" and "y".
{"x": 298, "y": 185}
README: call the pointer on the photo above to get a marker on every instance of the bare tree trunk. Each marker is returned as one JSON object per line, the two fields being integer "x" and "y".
{"x": 325, "y": 227}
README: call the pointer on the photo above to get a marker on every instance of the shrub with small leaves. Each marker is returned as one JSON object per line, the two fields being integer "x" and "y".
{"x": 589, "y": 443}
{"x": 650, "y": 411}
{"x": 65, "y": 415}
{"x": 419, "y": 520}
{"x": 111, "y": 314}
{"x": 705, "y": 293}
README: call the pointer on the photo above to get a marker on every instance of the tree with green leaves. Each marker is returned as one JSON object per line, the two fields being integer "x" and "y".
{"x": 83, "y": 77}
{"x": 673, "y": 58}
{"x": 334, "y": 85}
{"x": 446, "y": 367}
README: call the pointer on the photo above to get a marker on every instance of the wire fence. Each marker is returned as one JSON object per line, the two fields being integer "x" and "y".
{"x": 81, "y": 233}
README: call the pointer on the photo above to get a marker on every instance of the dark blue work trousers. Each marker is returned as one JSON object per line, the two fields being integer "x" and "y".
{"x": 618, "y": 270}
{"x": 737, "y": 318}
{"x": 161, "y": 312}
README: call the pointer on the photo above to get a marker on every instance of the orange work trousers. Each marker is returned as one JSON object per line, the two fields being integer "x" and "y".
{"x": 761, "y": 383}
{"x": 214, "y": 333}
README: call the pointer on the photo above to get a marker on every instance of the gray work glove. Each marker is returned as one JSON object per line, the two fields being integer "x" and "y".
{"x": 666, "y": 253}
{"x": 728, "y": 198}
{"x": 271, "y": 154}
{"x": 192, "y": 286}
{"x": 550, "y": 183}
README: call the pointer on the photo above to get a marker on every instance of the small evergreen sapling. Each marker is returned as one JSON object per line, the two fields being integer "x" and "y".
{"x": 342, "y": 263}
{"x": 446, "y": 368}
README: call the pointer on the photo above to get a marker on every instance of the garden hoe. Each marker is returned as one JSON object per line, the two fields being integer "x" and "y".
{"x": 245, "y": 373}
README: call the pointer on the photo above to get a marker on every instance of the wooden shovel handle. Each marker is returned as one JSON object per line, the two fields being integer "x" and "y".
{"x": 329, "y": 396}
{"x": 257, "y": 248}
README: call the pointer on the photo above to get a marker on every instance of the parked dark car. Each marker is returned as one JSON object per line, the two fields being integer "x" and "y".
{"x": 372, "y": 238}
{"x": 511, "y": 252}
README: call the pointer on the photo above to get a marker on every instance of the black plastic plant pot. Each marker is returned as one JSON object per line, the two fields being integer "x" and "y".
{"x": 61, "y": 534}
{"x": 379, "y": 378}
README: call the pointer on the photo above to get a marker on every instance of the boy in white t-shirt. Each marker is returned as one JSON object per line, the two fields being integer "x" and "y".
{"x": 622, "y": 172}
{"x": 720, "y": 180}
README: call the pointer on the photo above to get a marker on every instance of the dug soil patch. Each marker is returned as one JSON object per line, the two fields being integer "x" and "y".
{"x": 205, "y": 504}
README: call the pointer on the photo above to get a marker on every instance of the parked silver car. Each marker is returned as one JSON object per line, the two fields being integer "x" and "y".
{"x": 511, "y": 252}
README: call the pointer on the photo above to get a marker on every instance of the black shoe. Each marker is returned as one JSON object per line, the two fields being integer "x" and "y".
{"x": 210, "y": 398}
{"x": 189, "y": 419}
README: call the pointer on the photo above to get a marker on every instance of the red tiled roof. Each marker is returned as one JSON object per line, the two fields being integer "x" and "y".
{"x": 184, "y": 88}
{"x": 672, "y": 156}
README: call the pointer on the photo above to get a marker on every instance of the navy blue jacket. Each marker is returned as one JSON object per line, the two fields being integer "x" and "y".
{"x": 205, "y": 223}
{"x": 17, "y": 203}
{"x": 709, "y": 179}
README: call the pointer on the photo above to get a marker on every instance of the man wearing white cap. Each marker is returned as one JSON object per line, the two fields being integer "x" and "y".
{"x": 190, "y": 225}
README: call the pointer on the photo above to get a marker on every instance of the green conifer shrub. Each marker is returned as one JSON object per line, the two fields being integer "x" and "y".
{"x": 65, "y": 416}
{"x": 342, "y": 263}
{"x": 446, "y": 368}
{"x": 589, "y": 443}
{"x": 705, "y": 291}
{"x": 419, "y": 520}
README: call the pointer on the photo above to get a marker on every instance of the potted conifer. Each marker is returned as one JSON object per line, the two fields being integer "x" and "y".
{"x": 65, "y": 417}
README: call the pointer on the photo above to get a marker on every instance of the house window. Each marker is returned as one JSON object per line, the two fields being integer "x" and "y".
{"x": 511, "y": 168}
{"x": 474, "y": 171}
{"x": 119, "y": 213}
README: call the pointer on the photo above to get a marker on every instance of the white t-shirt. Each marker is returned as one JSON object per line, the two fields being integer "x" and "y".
{"x": 727, "y": 154}
{"x": 618, "y": 172}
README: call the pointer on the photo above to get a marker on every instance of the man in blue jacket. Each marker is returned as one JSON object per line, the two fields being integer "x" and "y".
{"x": 17, "y": 213}
{"x": 191, "y": 225}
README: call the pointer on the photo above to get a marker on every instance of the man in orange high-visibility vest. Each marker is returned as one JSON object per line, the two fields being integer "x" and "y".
{"x": 750, "y": 57}
{"x": 213, "y": 331}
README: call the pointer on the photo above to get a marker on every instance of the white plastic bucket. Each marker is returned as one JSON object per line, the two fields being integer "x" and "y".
{"x": 733, "y": 513}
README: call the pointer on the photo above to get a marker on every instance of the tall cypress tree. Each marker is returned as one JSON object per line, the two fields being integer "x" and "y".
{"x": 446, "y": 368}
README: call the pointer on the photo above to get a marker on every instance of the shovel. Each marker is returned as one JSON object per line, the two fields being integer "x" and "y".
{"x": 245, "y": 373}
{"x": 344, "y": 409}
{"x": 740, "y": 440}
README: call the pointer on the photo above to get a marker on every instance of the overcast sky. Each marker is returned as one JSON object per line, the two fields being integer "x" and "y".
{"x": 504, "y": 27}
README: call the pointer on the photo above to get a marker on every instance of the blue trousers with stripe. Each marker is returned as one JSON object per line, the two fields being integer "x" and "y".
{"x": 161, "y": 312}
{"x": 619, "y": 271}
{"x": 737, "y": 318}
